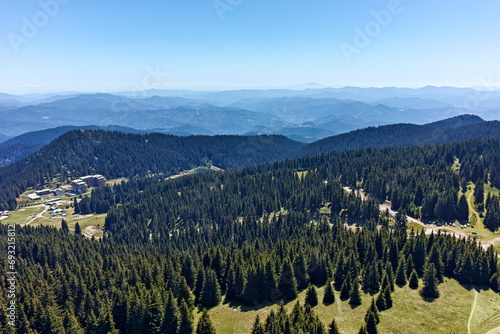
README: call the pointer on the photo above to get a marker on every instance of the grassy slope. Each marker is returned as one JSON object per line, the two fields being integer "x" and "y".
{"x": 482, "y": 232}
{"x": 410, "y": 314}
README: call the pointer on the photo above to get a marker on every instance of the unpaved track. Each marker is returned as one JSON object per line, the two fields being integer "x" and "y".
{"x": 472, "y": 309}
{"x": 38, "y": 215}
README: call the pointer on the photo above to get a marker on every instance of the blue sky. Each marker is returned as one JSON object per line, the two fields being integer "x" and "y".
{"x": 130, "y": 45}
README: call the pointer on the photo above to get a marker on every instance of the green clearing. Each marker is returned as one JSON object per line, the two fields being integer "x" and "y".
{"x": 482, "y": 232}
{"x": 416, "y": 227}
{"x": 116, "y": 181}
{"x": 491, "y": 190}
{"x": 410, "y": 313}
{"x": 23, "y": 215}
{"x": 487, "y": 313}
{"x": 84, "y": 221}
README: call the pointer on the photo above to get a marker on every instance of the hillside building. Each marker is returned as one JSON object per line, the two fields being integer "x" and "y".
{"x": 82, "y": 184}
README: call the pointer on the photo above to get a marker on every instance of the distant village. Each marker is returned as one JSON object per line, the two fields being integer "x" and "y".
{"x": 78, "y": 186}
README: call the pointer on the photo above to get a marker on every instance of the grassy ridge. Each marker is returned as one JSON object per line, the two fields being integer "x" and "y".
{"x": 410, "y": 313}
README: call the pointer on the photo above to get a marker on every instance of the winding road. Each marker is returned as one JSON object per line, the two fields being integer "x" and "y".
{"x": 39, "y": 215}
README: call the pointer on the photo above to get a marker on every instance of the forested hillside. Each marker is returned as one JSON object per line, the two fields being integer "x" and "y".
{"x": 115, "y": 154}
{"x": 256, "y": 235}
{"x": 457, "y": 128}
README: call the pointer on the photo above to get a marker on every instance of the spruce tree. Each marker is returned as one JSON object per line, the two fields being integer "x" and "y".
{"x": 333, "y": 328}
{"x": 388, "y": 298}
{"x": 171, "y": 318}
{"x": 409, "y": 265}
{"x": 205, "y": 325}
{"x": 479, "y": 196}
{"x": 186, "y": 325}
{"x": 64, "y": 227}
{"x": 329, "y": 296}
{"x": 76, "y": 205}
{"x": 287, "y": 284}
{"x": 210, "y": 292}
{"x": 373, "y": 310}
{"x": 413, "y": 280}
{"x": 430, "y": 282}
{"x": 311, "y": 296}
{"x": 355, "y": 294}
{"x": 78, "y": 230}
{"x": 346, "y": 289}
{"x": 155, "y": 315}
{"x": 435, "y": 258}
{"x": 494, "y": 282}
{"x": 401, "y": 272}
{"x": 258, "y": 327}
{"x": 371, "y": 323}
{"x": 381, "y": 304}
{"x": 463, "y": 209}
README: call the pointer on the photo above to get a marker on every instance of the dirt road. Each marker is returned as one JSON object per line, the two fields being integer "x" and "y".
{"x": 46, "y": 207}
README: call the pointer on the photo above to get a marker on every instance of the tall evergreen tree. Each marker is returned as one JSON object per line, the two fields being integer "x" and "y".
{"x": 171, "y": 318}
{"x": 355, "y": 294}
{"x": 287, "y": 284}
{"x": 413, "y": 283}
{"x": 373, "y": 310}
{"x": 430, "y": 282}
{"x": 186, "y": 324}
{"x": 311, "y": 296}
{"x": 463, "y": 208}
{"x": 333, "y": 328}
{"x": 78, "y": 229}
{"x": 371, "y": 323}
{"x": 401, "y": 272}
{"x": 210, "y": 292}
{"x": 329, "y": 296}
{"x": 205, "y": 325}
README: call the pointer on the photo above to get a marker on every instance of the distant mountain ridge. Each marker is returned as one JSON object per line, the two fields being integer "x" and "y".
{"x": 306, "y": 115}
{"x": 24, "y": 145}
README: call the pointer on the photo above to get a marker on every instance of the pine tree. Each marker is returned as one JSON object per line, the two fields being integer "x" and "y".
{"x": 76, "y": 205}
{"x": 205, "y": 325}
{"x": 78, "y": 230}
{"x": 155, "y": 315}
{"x": 171, "y": 318}
{"x": 409, "y": 265}
{"x": 311, "y": 296}
{"x": 258, "y": 327}
{"x": 64, "y": 227}
{"x": 373, "y": 310}
{"x": 346, "y": 289}
{"x": 413, "y": 280}
{"x": 463, "y": 209}
{"x": 287, "y": 284}
{"x": 210, "y": 292}
{"x": 381, "y": 304}
{"x": 494, "y": 282}
{"x": 371, "y": 323}
{"x": 333, "y": 328}
{"x": 430, "y": 282}
{"x": 401, "y": 272}
{"x": 329, "y": 296}
{"x": 355, "y": 294}
{"x": 186, "y": 325}
{"x": 435, "y": 258}
{"x": 390, "y": 274}
{"x": 388, "y": 298}
{"x": 479, "y": 196}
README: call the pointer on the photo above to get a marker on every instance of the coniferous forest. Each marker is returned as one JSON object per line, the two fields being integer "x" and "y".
{"x": 257, "y": 235}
